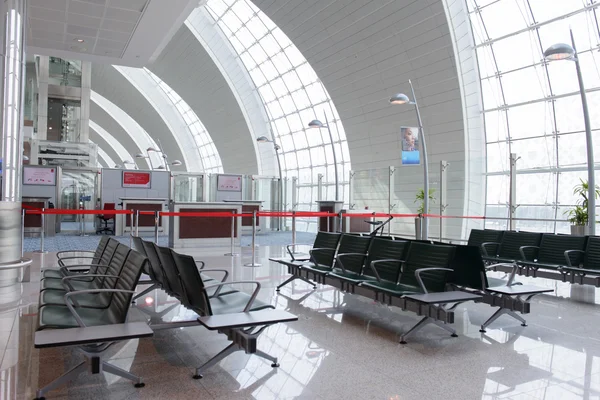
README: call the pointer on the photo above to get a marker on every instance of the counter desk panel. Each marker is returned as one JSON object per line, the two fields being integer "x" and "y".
{"x": 197, "y": 231}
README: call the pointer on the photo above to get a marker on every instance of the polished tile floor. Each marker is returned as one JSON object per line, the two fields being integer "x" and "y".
{"x": 342, "y": 347}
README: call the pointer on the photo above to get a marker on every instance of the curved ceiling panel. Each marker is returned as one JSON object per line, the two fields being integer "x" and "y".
{"x": 104, "y": 159}
{"x": 112, "y": 85}
{"x": 112, "y": 146}
{"x": 110, "y": 124}
{"x": 187, "y": 68}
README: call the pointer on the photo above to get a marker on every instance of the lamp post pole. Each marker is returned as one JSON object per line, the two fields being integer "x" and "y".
{"x": 424, "y": 228}
{"x": 280, "y": 205}
{"x": 590, "y": 146}
{"x": 335, "y": 164}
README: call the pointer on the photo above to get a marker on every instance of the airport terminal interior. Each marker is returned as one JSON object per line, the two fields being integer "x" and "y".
{"x": 299, "y": 199}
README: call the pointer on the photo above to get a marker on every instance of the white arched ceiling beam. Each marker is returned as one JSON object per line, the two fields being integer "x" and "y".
{"x": 187, "y": 68}
{"x": 133, "y": 129}
{"x": 123, "y": 136}
{"x": 113, "y": 86}
{"x": 105, "y": 160}
{"x": 108, "y": 150}
{"x": 181, "y": 121}
{"x": 364, "y": 52}
{"x": 107, "y": 141}
{"x": 240, "y": 83}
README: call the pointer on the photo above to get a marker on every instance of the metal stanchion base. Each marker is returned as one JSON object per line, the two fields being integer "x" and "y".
{"x": 231, "y": 254}
{"x": 40, "y": 251}
{"x": 252, "y": 264}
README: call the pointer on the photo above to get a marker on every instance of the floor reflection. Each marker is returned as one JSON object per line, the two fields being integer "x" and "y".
{"x": 342, "y": 346}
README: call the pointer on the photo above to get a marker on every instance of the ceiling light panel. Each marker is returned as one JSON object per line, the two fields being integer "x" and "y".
{"x": 106, "y": 26}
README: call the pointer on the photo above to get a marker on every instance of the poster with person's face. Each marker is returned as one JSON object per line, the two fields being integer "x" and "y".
{"x": 410, "y": 145}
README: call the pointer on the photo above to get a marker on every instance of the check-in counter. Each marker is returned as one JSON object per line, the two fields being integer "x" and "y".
{"x": 33, "y": 222}
{"x": 198, "y": 231}
{"x": 248, "y": 207}
{"x": 146, "y": 222}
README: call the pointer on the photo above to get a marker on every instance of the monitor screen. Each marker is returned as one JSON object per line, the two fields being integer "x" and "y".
{"x": 39, "y": 176}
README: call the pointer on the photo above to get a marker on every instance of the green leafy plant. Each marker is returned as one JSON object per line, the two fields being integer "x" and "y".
{"x": 578, "y": 215}
{"x": 420, "y": 197}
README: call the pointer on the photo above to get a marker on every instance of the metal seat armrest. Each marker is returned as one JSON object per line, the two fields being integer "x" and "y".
{"x": 71, "y": 308}
{"x": 318, "y": 250}
{"x": 568, "y": 256}
{"x": 421, "y": 270}
{"x": 339, "y": 256}
{"x": 59, "y": 256}
{"x": 67, "y": 268}
{"x": 373, "y": 263}
{"x": 202, "y": 264}
{"x": 484, "y": 249}
{"x": 66, "y": 279}
{"x": 252, "y": 297}
{"x": 61, "y": 261}
{"x": 522, "y": 252}
{"x": 290, "y": 252}
{"x": 83, "y": 275}
{"x": 225, "y": 275}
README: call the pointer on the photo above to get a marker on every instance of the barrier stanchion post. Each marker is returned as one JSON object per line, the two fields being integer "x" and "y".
{"x": 253, "y": 263}
{"x": 156, "y": 216}
{"x": 294, "y": 230}
{"x": 41, "y": 250}
{"x": 137, "y": 223}
{"x": 231, "y": 253}
{"x": 22, "y": 232}
{"x": 341, "y": 226}
{"x": 131, "y": 225}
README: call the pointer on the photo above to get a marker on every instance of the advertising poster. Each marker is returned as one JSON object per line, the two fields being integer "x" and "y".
{"x": 136, "y": 179}
{"x": 410, "y": 146}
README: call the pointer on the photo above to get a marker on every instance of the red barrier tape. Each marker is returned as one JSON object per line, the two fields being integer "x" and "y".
{"x": 203, "y": 214}
{"x": 286, "y": 214}
{"x": 451, "y": 216}
{"x": 56, "y": 211}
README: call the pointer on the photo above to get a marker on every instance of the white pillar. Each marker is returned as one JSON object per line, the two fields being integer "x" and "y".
{"x": 13, "y": 86}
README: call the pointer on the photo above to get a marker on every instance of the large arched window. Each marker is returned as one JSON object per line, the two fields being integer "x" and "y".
{"x": 293, "y": 95}
{"x": 211, "y": 161}
{"x": 533, "y": 108}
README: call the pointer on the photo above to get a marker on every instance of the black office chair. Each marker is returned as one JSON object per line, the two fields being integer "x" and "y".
{"x": 106, "y": 218}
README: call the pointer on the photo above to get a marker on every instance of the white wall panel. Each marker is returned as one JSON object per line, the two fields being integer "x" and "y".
{"x": 187, "y": 68}
{"x": 365, "y": 51}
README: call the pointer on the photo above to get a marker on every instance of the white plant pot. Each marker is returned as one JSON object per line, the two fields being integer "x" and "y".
{"x": 580, "y": 230}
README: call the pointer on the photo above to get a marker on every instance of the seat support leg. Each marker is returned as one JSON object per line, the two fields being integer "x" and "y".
{"x": 426, "y": 321}
{"x": 294, "y": 277}
{"x": 146, "y": 291}
{"x": 63, "y": 379}
{"x": 500, "y": 312}
{"x": 269, "y": 357}
{"x": 112, "y": 369}
{"x": 232, "y": 348}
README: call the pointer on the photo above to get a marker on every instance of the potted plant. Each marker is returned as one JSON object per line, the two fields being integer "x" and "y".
{"x": 420, "y": 197}
{"x": 578, "y": 215}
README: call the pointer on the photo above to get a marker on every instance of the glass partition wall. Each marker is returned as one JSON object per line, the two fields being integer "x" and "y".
{"x": 533, "y": 108}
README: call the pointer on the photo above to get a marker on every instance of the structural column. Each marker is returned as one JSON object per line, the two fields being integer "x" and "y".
{"x": 12, "y": 72}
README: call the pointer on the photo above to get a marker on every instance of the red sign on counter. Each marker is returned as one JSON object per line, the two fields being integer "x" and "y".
{"x": 136, "y": 179}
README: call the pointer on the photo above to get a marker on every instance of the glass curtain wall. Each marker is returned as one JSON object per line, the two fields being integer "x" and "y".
{"x": 211, "y": 161}
{"x": 293, "y": 96}
{"x": 533, "y": 108}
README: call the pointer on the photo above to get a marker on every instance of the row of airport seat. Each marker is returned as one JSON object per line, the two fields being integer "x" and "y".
{"x": 426, "y": 277}
{"x": 568, "y": 258}
{"x": 89, "y": 309}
